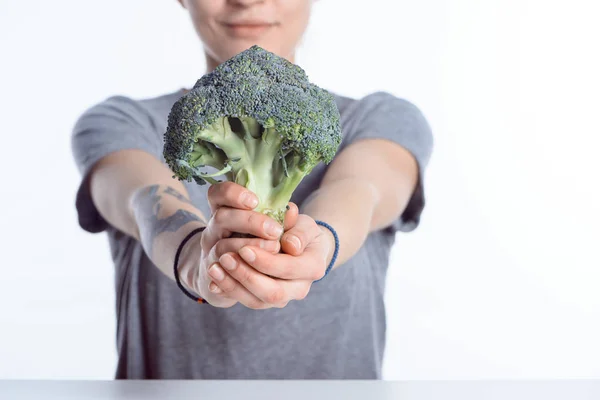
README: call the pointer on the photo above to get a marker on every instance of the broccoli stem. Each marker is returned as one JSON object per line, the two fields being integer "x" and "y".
{"x": 221, "y": 135}
{"x": 220, "y": 172}
{"x": 251, "y": 158}
{"x": 206, "y": 153}
{"x": 258, "y": 172}
{"x": 278, "y": 197}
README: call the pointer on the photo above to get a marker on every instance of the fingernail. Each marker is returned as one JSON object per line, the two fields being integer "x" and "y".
{"x": 269, "y": 245}
{"x": 247, "y": 254}
{"x": 273, "y": 228}
{"x": 249, "y": 200}
{"x": 228, "y": 262}
{"x": 216, "y": 272}
{"x": 214, "y": 288}
{"x": 294, "y": 241}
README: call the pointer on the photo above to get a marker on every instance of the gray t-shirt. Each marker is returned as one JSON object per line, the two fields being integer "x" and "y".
{"x": 337, "y": 332}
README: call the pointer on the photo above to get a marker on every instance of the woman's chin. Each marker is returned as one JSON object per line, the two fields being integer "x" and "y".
{"x": 231, "y": 49}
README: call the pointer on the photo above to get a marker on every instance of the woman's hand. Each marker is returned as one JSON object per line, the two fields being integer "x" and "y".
{"x": 261, "y": 279}
{"x": 231, "y": 211}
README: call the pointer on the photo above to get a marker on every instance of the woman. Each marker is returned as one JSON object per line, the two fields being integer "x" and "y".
{"x": 335, "y": 328}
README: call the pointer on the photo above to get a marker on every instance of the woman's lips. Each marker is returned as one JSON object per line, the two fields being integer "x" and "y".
{"x": 248, "y": 30}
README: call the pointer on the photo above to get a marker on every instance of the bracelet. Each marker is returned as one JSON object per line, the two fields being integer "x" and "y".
{"x": 176, "y": 269}
{"x": 337, "y": 247}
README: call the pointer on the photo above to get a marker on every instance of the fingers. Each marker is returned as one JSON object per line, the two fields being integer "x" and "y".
{"x": 310, "y": 265}
{"x": 235, "y": 244}
{"x": 295, "y": 240}
{"x": 224, "y": 285}
{"x": 291, "y": 216}
{"x": 224, "y": 289}
{"x": 227, "y": 220}
{"x": 230, "y": 194}
{"x": 275, "y": 293}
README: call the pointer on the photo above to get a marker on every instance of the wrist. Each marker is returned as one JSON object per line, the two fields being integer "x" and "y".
{"x": 329, "y": 241}
{"x": 189, "y": 260}
{"x": 186, "y": 265}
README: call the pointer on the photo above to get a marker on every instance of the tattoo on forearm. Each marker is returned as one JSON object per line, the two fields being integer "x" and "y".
{"x": 176, "y": 194}
{"x": 148, "y": 209}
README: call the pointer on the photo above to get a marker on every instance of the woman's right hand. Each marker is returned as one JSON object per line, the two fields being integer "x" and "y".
{"x": 231, "y": 211}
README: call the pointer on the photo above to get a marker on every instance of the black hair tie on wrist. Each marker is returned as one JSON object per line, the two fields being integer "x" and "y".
{"x": 176, "y": 269}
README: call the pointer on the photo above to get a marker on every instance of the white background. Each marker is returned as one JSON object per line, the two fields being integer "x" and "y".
{"x": 500, "y": 280}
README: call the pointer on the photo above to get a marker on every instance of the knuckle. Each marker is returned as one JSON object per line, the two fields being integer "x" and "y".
{"x": 227, "y": 287}
{"x": 229, "y": 304}
{"x": 302, "y": 237}
{"x": 204, "y": 238}
{"x": 318, "y": 273}
{"x": 246, "y": 276}
{"x": 255, "y": 305}
{"x": 305, "y": 292}
{"x": 209, "y": 259}
{"x": 191, "y": 276}
{"x": 282, "y": 305}
{"x": 272, "y": 246}
{"x": 221, "y": 302}
{"x": 229, "y": 190}
{"x": 213, "y": 190}
{"x": 306, "y": 220}
{"x": 220, "y": 248}
{"x": 276, "y": 246}
{"x": 220, "y": 216}
{"x": 317, "y": 231}
{"x": 255, "y": 220}
{"x": 275, "y": 296}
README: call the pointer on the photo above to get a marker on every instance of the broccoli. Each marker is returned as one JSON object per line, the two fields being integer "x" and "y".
{"x": 258, "y": 120}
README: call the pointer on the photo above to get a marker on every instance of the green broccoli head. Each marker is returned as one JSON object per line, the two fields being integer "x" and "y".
{"x": 258, "y": 120}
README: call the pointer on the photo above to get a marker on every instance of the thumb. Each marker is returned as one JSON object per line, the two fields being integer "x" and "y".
{"x": 296, "y": 239}
{"x": 291, "y": 216}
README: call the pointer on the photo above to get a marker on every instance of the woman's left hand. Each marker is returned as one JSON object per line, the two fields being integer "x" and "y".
{"x": 276, "y": 279}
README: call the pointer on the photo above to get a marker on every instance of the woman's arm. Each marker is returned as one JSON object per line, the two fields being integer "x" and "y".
{"x": 136, "y": 193}
{"x": 365, "y": 189}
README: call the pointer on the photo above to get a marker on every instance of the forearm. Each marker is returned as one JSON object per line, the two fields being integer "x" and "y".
{"x": 136, "y": 193}
{"x": 359, "y": 198}
{"x": 349, "y": 207}
{"x": 164, "y": 217}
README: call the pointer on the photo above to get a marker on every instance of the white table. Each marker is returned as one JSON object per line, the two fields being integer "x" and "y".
{"x": 301, "y": 390}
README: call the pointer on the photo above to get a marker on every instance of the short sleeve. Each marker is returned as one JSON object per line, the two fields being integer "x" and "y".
{"x": 118, "y": 123}
{"x": 384, "y": 116}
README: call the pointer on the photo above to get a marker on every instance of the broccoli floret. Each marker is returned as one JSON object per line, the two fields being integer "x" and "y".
{"x": 258, "y": 120}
